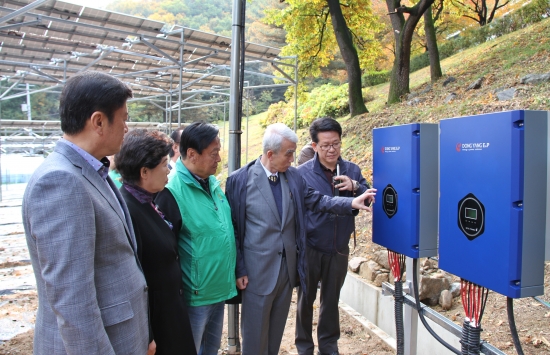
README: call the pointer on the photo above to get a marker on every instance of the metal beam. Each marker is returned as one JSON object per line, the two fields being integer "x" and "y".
{"x": 20, "y": 24}
{"x": 25, "y": 93}
{"x": 37, "y": 70}
{"x": 146, "y": 71}
{"x": 22, "y": 10}
{"x": 282, "y": 72}
{"x": 103, "y": 55}
{"x": 11, "y": 87}
{"x": 157, "y": 49}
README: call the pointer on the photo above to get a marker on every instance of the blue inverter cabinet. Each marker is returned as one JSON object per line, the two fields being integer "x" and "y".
{"x": 406, "y": 176}
{"x": 493, "y": 184}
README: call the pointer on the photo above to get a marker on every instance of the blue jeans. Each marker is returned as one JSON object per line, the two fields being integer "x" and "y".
{"x": 207, "y": 324}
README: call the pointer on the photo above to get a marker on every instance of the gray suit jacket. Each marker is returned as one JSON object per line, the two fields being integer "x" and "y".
{"x": 91, "y": 290}
{"x": 267, "y": 234}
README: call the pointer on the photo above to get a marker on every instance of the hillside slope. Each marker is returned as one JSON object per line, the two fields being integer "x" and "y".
{"x": 501, "y": 63}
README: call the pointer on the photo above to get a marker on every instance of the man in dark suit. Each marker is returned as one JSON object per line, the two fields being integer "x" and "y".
{"x": 268, "y": 201}
{"x": 92, "y": 295}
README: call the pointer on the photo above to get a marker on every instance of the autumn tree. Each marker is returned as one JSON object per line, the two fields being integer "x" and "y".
{"x": 431, "y": 43}
{"x": 480, "y": 11}
{"x": 403, "y": 34}
{"x": 316, "y": 29}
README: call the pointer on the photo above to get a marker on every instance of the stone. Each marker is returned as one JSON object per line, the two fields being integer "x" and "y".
{"x": 535, "y": 78}
{"x": 414, "y": 101}
{"x": 476, "y": 84}
{"x": 355, "y": 263}
{"x": 411, "y": 95}
{"x": 380, "y": 278}
{"x": 431, "y": 287}
{"x": 506, "y": 95}
{"x": 446, "y": 300}
{"x": 381, "y": 257}
{"x": 426, "y": 90}
{"x": 450, "y": 97}
{"x": 428, "y": 263}
{"x": 449, "y": 80}
{"x": 369, "y": 270}
{"x": 455, "y": 289}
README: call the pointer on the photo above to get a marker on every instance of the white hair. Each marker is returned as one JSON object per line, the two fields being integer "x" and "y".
{"x": 274, "y": 135}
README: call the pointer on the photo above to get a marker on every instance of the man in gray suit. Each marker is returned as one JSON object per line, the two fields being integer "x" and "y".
{"x": 92, "y": 296}
{"x": 268, "y": 201}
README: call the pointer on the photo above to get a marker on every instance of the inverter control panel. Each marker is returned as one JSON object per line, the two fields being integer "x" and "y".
{"x": 405, "y": 174}
{"x": 493, "y": 187}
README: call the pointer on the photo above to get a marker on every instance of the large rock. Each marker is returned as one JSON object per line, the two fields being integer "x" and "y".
{"x": 476, "y": 84}
{"x": 355, "y": 263}
{"x": 449, "y": 80}
{"x": 450, "y": 97}
{"x": 455, "y": 289}
{"x": 431, "y": 286}
{"x": 380, "y": 278}
{"x": 446, "y": 299}
{"x": 369, "y": 270}
{"x": 427, "y": 89}
{"x": 381, "y": 257}
{"x": 505, "y": 95}
{"x": 535, "y": 78}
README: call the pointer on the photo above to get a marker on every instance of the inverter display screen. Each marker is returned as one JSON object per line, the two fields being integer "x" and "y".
{"x": 471, "y": 213}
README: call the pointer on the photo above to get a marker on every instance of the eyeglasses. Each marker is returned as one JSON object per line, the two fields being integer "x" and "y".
{"x": 326, "y": 147}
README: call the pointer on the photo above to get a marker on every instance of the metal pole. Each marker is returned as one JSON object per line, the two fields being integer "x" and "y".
{"x": 234, "y": 156}
{"x": 234, "y": 120}
{"x": 29, "y": 114}
{"x": 247, "y": 114}
{"x": 224, "y": 114}
{"x": 410, "y": 317}
{"x": 0, "y": 144}
{"x": 171, "y": 93}
{"x": 295, "y": 92}
{"x": 181, "y": 83}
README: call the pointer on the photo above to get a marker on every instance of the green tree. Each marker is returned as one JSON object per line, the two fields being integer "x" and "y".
{"x": 317, "y": 29}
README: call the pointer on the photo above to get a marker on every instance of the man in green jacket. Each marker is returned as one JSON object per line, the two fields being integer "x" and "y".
{"x": 195, "y": 204}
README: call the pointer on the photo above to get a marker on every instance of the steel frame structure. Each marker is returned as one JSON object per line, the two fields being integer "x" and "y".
{"x": 44, "y": 42}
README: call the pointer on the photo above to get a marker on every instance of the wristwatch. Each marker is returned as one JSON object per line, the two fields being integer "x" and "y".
{"x": 355, "y": 185}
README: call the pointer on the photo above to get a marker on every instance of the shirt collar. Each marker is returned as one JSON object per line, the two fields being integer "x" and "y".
{"x": 101, "y": 166}
{"x": 267, "y": 172}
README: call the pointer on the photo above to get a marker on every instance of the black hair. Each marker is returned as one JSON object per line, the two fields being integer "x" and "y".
{"x": 324, "y": 124}
{"x": 141, "y": 149}
{"x": 176, "y": 136}
{"x": 86, "y": 93}
{"x": 198, "y": 136}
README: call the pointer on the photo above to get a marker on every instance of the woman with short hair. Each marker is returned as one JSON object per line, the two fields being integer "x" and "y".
{"x": 143, "y": 165}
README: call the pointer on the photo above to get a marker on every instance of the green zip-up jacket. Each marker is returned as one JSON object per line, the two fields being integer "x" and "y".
{"x": 206, "y": 239}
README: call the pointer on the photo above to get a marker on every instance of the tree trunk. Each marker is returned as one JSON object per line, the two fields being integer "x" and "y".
{"x": 399, "y": 82}
{"x": 349, "y": 54}
{"x": 431, "y": 42}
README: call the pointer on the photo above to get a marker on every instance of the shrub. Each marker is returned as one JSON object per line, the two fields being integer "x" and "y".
{"x": 373, "y": 78}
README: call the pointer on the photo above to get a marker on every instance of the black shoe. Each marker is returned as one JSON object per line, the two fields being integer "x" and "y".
{"x": 333, "y": 353}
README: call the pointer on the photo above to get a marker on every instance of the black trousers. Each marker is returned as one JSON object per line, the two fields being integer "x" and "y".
{"x": 331, "y": 270}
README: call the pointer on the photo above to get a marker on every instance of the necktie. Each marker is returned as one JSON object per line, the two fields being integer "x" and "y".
{"x": 273, "y": 178}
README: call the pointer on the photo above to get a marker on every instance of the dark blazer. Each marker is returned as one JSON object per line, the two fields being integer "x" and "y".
{"x": 158, "y": 253}
{"x": 327, "y": 232}
{"x": 303, "y": 197}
